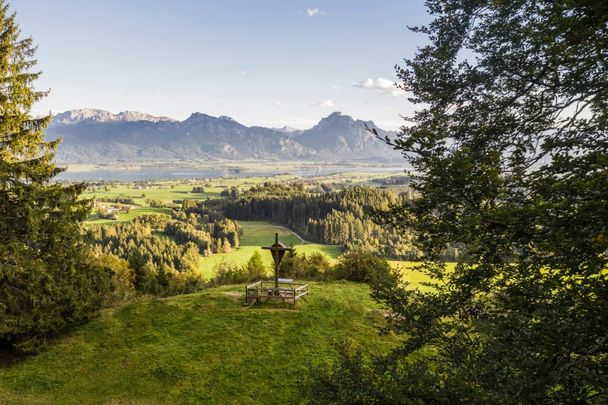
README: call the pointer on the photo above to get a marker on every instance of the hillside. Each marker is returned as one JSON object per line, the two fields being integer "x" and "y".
{"x": 97, "y": 136}
{"x": 197, "y": 348}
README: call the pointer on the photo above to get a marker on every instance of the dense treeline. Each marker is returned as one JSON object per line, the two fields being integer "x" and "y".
{"x": 123, "y": 240}
{"x": 355, "y": 265}
{"x": 118, "y": 200}
{"x": 163, "y": 250}
{"x": 342, "y": 217}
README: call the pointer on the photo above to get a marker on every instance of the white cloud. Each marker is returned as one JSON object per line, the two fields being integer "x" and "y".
{"x": 279, "y": 104}
{"x": 380, "y": 85}
{"x": 311, "y": 12}
{"x": 390, "y": 125}
{"x": 243, "y": 73}
{"x": 325, "y": 103}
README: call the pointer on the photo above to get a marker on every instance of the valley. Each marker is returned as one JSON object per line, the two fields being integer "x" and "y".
{"x": 171, "y": 193}
{"x": 439, "y": 197}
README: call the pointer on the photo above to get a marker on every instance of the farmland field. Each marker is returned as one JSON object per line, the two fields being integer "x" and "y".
{"x": 170, "y": 190}
{"x": 260, "y": 233}
{"x": 128, "y": 216}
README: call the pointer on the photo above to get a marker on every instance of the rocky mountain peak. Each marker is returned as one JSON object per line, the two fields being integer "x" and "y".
{"x": 93, "y": 135}
{"x": 97, "y": 115}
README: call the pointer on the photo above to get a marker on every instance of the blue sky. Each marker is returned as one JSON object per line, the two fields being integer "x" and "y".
{"x": 263, "y": 62}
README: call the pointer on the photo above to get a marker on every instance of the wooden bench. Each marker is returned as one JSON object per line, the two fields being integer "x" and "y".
{"x": 288, "y": 291}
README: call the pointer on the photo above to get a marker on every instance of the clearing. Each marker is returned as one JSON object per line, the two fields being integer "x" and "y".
{"x": 261, "y": 233}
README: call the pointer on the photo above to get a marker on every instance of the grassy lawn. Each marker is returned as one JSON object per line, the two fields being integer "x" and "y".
{"x": 200, "y": 348}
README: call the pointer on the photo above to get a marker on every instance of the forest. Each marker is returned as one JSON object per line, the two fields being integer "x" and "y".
{"x": 344, "y": 217}
{"x": 159, "y": 247}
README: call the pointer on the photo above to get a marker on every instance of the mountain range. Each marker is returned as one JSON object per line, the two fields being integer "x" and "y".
{"x": 101, "y": 137}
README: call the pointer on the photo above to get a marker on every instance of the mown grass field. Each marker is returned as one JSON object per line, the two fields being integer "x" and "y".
{"x": 127, "y": 216}
{"x": 199, "y": 348}
{"x": 260, "y": 233}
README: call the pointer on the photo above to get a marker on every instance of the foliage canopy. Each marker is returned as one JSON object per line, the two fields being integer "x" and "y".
{"x": 510, "y": 145}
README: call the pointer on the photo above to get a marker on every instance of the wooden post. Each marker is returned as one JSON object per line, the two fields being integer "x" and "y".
{"x": 278, "y": 251}
{"x": 276, "y": 260}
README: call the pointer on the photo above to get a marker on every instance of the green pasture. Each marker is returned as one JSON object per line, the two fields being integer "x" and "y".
{"x": 163, "y": 192}
{"x": 199, "y": 348}
{"x": 170, "y": 190}
{"x": 127, "y": 216}
{"x": 260, "y": 233}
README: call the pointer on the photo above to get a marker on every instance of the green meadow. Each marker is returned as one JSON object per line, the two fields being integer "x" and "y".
{"x": 127, "y": 216}
{"x": 260, "y": 233}
{"x": 199, "y": 348}
{"x": 165, "y": 191}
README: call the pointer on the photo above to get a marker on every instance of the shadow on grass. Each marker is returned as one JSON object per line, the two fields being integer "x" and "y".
{"x": 9, "y": 358}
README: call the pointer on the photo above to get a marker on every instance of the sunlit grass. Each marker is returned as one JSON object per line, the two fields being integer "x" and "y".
{"x": 416, "y": 278}
{"x": 261, "y": 233}
{"x": 199, "y": 348}
{"x": 127, "y": 216}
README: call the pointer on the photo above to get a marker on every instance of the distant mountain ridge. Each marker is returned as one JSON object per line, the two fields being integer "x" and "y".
{"x": 91, "y": 114}
{"x": 101, "y": 137}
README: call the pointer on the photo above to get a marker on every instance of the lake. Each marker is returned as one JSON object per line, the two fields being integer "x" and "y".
{"x": 184, "y": 173}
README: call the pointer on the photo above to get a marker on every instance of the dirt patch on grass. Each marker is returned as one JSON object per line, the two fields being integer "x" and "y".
{"x": 237, "y": 295}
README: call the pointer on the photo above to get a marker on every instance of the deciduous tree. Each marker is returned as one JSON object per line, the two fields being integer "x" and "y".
{"x": 510, "y": 144}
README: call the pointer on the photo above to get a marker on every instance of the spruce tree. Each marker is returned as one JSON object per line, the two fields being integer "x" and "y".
{"x": 45, "y": 283}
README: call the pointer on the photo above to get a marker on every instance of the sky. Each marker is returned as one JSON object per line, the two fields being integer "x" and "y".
{"x": 262, "y": 62}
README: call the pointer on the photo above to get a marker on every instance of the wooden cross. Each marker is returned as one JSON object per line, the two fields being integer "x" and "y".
{"x": 278, "y": 250}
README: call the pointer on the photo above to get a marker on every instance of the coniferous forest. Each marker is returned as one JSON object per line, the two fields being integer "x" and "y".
{"x": 339, "y": 218}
